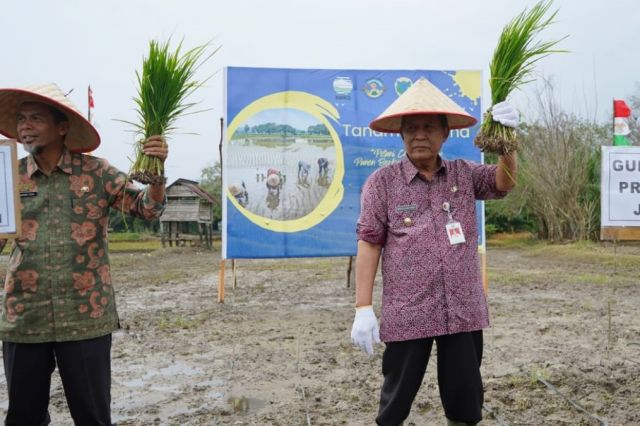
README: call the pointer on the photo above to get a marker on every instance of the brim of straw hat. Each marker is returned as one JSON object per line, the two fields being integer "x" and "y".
{"x": 81, "y": 137}
{"x": 422, "y": 98}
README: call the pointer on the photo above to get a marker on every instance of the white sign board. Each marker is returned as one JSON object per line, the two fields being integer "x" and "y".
{"x": 9, "y": 219}
{"x": 620, "y": 186}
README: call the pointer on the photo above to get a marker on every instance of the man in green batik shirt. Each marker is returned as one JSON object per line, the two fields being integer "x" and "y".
{"x": 58, "y": 304}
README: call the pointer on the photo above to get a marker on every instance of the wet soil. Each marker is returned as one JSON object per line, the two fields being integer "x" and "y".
{"x": 277, "y": 351}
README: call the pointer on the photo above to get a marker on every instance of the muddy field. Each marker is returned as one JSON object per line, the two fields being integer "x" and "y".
{"x": 277, "y": 352}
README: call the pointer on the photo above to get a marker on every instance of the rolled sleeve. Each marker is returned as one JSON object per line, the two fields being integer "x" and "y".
{"x": 126, "y": 197}
{"x": 154, "y": 208}
{"x": 372, "y": 223}
{"x": 484, "y": 181}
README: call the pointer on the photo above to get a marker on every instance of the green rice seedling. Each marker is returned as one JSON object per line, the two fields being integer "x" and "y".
{"x": 511, "y": 67}
{"x": 166, "y": 81}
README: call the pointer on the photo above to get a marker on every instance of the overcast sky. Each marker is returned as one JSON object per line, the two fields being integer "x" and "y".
{"x": 75, "y": 43}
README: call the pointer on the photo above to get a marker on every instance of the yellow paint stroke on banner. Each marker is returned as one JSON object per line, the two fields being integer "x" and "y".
{"x": 320, "y": 109}
{"x": 469, "y": 84}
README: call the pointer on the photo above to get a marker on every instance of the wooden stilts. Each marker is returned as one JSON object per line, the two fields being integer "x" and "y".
{"x": 221, "y": 282}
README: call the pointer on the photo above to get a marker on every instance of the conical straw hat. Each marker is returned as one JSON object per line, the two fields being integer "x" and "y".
{"x": 422, "y": 98}
{"x": 235, "y": 190}
{"x": 82, "y": 136}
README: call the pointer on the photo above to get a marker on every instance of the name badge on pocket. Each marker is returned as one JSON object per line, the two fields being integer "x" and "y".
{"x": 404, "y": 208}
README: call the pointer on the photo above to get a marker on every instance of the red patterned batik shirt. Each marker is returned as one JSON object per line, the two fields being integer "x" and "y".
{"x": 430, "y": 286}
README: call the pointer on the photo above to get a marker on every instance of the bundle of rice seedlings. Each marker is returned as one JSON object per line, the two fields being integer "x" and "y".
{"x": 510, "y": 68}
{"x": 166, "y": 81}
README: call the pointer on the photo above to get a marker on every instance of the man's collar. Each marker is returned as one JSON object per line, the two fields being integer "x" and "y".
{"x": 410, "y": 171}
{"x": 64, "y": 163}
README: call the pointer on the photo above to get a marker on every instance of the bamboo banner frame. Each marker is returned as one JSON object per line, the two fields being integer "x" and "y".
{"x": 10, "y": 217}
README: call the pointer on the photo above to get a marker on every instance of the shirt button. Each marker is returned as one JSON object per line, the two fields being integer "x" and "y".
{"x": 408, "y": 221}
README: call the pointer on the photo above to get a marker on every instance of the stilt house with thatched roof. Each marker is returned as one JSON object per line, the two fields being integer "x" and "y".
{"x": 187, "y": 204}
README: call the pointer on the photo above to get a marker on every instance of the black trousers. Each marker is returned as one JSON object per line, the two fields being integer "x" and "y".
{"x": 404, "y": 364}
{"x": 85, "y": 370}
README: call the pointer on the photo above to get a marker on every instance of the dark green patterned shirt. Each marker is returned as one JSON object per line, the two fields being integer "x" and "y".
{"x": 58, "y": 284}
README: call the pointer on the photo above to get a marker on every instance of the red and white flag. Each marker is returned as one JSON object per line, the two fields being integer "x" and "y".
{"x": 90, "y": 102}
{"x": 621, "y": 113}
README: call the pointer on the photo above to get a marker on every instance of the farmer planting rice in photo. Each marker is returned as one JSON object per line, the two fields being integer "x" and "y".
{"x": 58, "y": 301}
{"x": 239, "y": 192}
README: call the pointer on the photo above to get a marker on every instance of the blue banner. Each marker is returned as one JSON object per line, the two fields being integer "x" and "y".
{"x": 298, "y": 150}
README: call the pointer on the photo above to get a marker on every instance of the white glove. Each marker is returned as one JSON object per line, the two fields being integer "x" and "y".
{"x": 365, "y": 329}
{"x": 505, "y": 114}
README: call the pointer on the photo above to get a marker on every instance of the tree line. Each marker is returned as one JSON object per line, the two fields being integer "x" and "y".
{"x": 282, "y": 129}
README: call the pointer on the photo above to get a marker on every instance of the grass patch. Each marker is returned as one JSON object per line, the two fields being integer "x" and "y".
{"x": 512, "y": 240}
{"x": 538, "y": 373}
{"x": 128, "y": 236}
{"x": 589, "y": 278}
{"x": 134, "y": 246}
{"x": 592, "y": 253}
{"x": 182, "y": 323}
{"x": 625, "y": 255}
{"x": 527, "y": 275}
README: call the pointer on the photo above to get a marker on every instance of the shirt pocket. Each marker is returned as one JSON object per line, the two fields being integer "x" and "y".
{"x": 32, "y": 205}
{"x": 463, "y": 210}
{"x": 407, "y": 219}
{"x": 86, "y": 207}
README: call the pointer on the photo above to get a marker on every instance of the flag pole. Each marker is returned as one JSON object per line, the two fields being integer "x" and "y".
{"x": 89, "y": 103}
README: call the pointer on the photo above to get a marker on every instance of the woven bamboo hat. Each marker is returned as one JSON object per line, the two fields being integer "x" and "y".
{"x": 81, "y": 137}
{"x": 235, "y": 190}
{"x": 419, "y": 99}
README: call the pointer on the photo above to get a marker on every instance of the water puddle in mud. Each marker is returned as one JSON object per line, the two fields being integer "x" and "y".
{"x": 164, "y": 390}
{"x": 173, "y": 370}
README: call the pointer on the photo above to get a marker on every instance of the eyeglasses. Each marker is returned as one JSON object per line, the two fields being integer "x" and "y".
{"x": 431, "y": 130}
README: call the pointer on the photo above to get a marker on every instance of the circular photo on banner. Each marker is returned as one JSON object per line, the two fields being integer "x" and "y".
{"x": 284, "y": 163}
